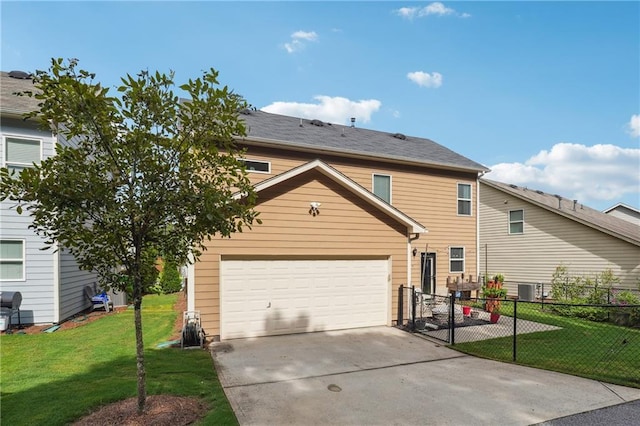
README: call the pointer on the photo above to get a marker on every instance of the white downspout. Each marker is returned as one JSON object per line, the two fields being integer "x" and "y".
{"x": 191, "y": 284}
{"x": 55, "y": 260}
{"x": 478, "y": 225}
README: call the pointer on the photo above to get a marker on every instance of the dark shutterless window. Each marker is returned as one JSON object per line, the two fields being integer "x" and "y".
{"x": 464, "y": 199}
{"x": 516, "y": 222}
{"x": 257, "y": 166}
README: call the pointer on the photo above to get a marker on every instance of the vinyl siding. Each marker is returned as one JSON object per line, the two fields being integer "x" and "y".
{"x": 427, "y": 195}
{"x": 548, "y": 241}
{"x": 38, "y": 296}
{"x": 72, "y": 283}
{"x": 346, "y": 228}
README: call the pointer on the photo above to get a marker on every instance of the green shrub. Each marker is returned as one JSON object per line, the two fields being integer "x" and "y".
{"x": 170, "y": 279}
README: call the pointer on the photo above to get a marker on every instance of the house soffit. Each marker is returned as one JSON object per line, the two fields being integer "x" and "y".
{"x": 412, "y": 225}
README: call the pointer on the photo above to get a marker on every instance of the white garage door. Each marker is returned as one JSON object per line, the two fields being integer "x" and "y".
{"x": 267, "y": 297}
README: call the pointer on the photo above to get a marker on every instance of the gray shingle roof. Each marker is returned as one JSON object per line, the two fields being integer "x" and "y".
{"x": 301, "y": 133}
{"x": 606, "y": 223}
{"x": 12, "y": 104}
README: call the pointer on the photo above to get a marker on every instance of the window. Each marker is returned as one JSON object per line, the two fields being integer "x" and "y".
{"x": 464, "y": 199}
{"x": 21, "y": 153}
{"x": 516, "y": 221}
{"x": 382, "y": 187}
{"x": 257, "y": 166}
{"x": 456, "y": 259}
{"x": 11, "y": 260}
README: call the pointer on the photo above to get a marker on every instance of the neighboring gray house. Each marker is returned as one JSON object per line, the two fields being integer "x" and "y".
{"x": 625, "y": 212}
{"x": 525, "y": 234}
{"x": 50, "y": 282}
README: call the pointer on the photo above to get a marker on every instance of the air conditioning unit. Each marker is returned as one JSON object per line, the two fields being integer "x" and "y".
{"x": 527, "y": 292}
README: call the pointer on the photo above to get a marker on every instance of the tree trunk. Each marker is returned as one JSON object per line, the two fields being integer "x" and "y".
{"x": 137, "y": 304}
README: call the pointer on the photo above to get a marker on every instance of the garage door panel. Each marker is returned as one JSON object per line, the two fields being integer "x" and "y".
{"x": 264, "y": 297}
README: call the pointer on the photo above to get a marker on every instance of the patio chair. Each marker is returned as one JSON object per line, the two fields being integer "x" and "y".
{"x": 98, "y": 299}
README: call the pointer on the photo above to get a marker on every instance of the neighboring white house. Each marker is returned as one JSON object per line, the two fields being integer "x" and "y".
{"x": 50, "y": 282}
{"x": 625, "y": 212}
{"x": 525, "y": 234}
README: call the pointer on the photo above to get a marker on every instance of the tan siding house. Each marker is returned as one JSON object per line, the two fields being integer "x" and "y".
{"x": 339, "y": 264}
{"x": 525, "y": 234}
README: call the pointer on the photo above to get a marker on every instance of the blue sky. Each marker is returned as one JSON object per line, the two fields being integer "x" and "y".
{"x": 546, "y": 94}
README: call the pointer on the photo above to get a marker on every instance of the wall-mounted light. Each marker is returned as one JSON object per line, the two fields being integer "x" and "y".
{"x": 415, "y": 252}
{"x": 315, "y": 208}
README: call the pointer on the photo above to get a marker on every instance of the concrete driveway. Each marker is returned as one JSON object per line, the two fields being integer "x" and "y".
{"x": 384, "y": 376}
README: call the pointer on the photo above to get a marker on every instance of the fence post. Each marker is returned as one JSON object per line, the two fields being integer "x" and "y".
{"x": 515, "y": 327}
{"x": 400, "y": 317}
{"x": 452, "y": 320}
{"x": 413, "y": 308}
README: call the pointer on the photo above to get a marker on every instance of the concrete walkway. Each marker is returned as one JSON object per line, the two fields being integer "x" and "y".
{"x": 384, "y": 376}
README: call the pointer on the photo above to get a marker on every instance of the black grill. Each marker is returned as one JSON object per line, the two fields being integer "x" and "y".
{"x": 10, "y": 302}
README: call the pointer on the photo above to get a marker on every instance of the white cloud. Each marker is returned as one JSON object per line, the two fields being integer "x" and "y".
{"x": 435, "y": 8}
{"x": 297, "y": 39}
{"x": 305, "y": 35}
{"x": 407, "y": 12}
{"x": 424, "y": 79}
{"x": 331, "y": 109}
{"x": 634, "y": 126}
{"x": 590, "y": 174}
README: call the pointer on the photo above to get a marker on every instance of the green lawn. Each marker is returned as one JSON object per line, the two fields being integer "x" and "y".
{"x": 56, "y": 378}
{"x": 596, "y": 350}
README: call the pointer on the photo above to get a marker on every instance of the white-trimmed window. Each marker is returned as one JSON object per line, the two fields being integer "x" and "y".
{"x": 516, "y": 221}
{"x": 257, "y": 166}
{"x": 456, "y": 259}
{"x": 381, "y": 185}
{"x": 20, "y": 153}
{"x": 11, "y": 260}
{"x": 464, "y": 199}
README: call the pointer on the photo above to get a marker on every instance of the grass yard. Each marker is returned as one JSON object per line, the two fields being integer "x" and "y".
{"x": 59, "y": 377}
{"x": 596, "y": 350}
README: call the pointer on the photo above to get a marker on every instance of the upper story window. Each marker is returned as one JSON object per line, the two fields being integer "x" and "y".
{"x": 456, "y": 259}
{"x": 21, "y": 153}
{"x": 464, "y": 199}
{"x": 11, "y": 260}
{"x": 257, "y": 166}
{"x": 516, "y": 221}
{"x": 382, "y": 187}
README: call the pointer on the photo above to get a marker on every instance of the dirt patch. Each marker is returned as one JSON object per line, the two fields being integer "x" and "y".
{"x": 160, "y": 410}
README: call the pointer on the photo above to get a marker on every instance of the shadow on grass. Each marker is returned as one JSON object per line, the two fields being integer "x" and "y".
{"x": 169, "y": 371}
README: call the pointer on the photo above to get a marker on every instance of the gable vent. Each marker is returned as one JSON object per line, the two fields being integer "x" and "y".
{"x": 317, "y": 123}
{"x": 399, "y": 136}
{"x": 21, "y": 75}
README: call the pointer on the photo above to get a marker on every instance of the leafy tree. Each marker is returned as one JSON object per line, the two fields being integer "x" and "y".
{"x": 149, "y": 174}
{"x": 170, "y": 280}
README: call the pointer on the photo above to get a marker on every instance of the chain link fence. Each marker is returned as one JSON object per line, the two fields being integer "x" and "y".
{"x": 598, "y": 341}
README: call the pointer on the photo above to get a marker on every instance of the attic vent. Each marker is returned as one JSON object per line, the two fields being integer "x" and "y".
{"x": 245, "y": 111}
{"x": 19, "y": 75}
{"x": 399, "y": 136}
{"x": 513, "y": 186}
{"x": 539, "y": 192}
{"x": 317, "y": 123}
